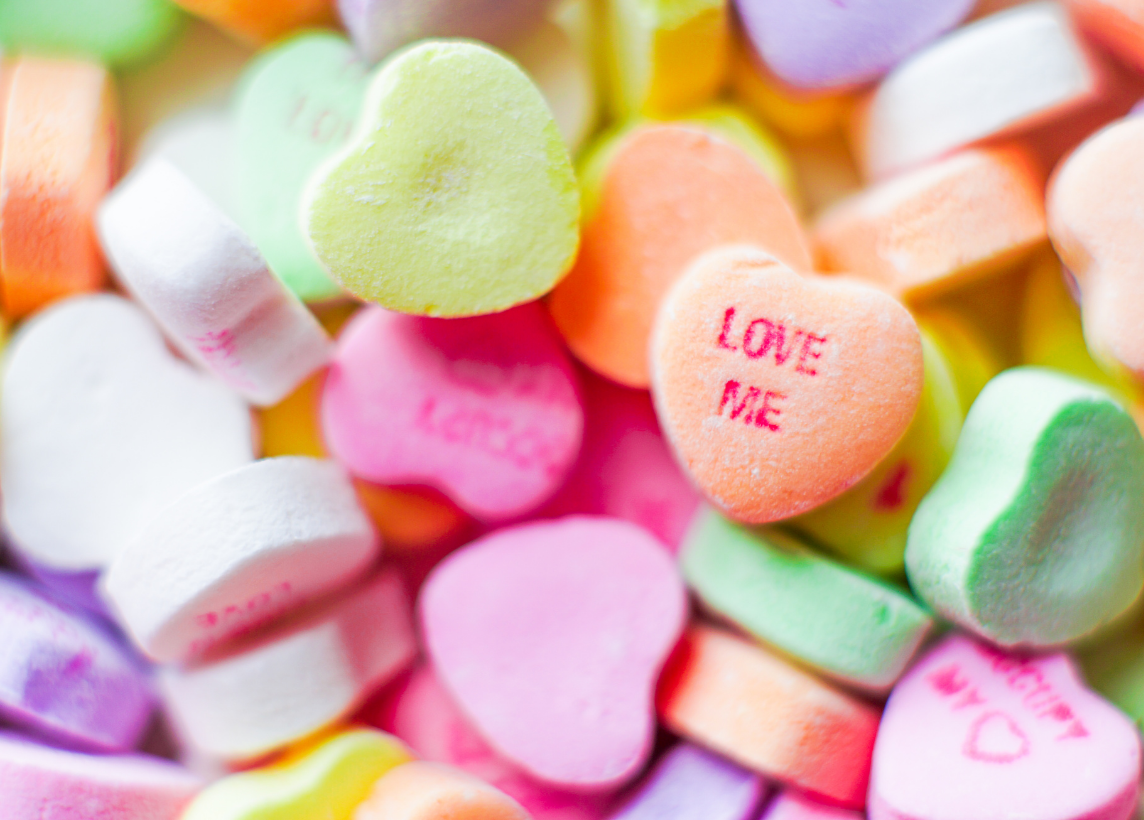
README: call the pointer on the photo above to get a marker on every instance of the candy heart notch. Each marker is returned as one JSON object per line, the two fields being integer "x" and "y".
{"x": 485, "y": 408}
{"x": 455, "y": 196}
{"x": 579, "y": 615}
{"x": 102, "y": 428}
{"x": 975, "y": 733}
{"x": 779, "y": 392}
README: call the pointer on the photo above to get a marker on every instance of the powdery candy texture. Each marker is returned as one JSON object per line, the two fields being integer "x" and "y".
{"x": 579, "y": 615}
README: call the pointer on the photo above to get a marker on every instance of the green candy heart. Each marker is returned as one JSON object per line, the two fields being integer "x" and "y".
{"x": 116, "y": 32}
{"x": 850, "y": 626}
{"x": 455, "y": 196}
{"x": 1034, "y": 535}
{"x": 296, "y": 106}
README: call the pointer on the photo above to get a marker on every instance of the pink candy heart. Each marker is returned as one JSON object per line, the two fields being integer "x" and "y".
{"x": 485, "y": 409}
{"x": 550, "y": 637}
{"x": 974, "y": 733}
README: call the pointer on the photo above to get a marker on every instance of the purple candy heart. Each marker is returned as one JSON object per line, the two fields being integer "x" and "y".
{"x": 65, "y": 677}
{"x": 821, "y": 44}
{"x": 689, "y": 783}
{"x": 380, "y": 26}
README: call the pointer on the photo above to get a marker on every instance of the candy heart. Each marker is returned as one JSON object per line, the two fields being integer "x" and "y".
{"x": 780, "y": 392}
{"x": 64, "y": 677}
{"x": 430, "y": 791}
{"x": 296, "y": 105}
{"x": 1034, "y": 534}
{"x": 1094, "y": 207}
{"x": 975, "y": 733}
{"x": 483, "y": 408}
{"x": 829, "y": 43}
{"x": 423, "y": 715}
{"x": 39, "y": 781}
{"x": 579, "y": 614}
{"x": 455, "y": 195}
{"x": 102, "y": 428}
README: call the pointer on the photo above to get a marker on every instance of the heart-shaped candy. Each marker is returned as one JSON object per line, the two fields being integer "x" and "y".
{"x": 484, "y": 408}
{"x": 977, "y": 734}
{"x": 431, "y": 791}
{"x": 455, "y": 195}
{"x": 824, "y": 44}
{"x": 777, "y": 391}
{"x": 550, "y": 636}
{"x": 102, "y": 428}
{"x": 296, "y": 105}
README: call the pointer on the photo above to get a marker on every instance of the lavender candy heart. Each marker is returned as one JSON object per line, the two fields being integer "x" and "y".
{"x": 689, "y": 783}
{"x": 821, "y": 44}
{"x": 64, "y": 677}
{"x": 377, "y": 27}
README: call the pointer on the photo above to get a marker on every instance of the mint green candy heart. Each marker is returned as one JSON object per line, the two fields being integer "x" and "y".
{"x": 296, "y": 106}
{"x": 116, "y": 32}
{"x": 1034, "y": 535}
{"x": 845, "y": 624}
{"x": 455, "y": 196}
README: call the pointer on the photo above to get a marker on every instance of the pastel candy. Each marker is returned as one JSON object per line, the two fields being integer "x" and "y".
{"x": 580, "y": 614}
{"x": 976, "y": 733}
{"x": 60, "y": 150}
{"x": 238, "y": 551}
{"x": 760, "y": 378}
{"x": 207, "y": 285}
{"x": 485, "y": 408}
{"x": 430, "y": 791}
{"x": 689, "y": 783}
{"x": 296, "y": 105}
{"x": 797, "y": 112}
{"x": 260, "y": 21}
{"x": 937, "y": 227}
{"x": 274, "y": 687}
{"x": 326, "y": 779}
{"x": 868, "y": 523}
{"x": 790, "y": 805}
{"x": 1034, "y": 534}
{"x": 455, "y": 196}
{"x": 626, "y": 469}
{"x": 1093, "y": 215}
{"x": 64, "y": 677}
{"x": 827, "y": 44}
{"x": 379, "y": 27}
{"x": 1116, "y": 24}
{"x": 118, "y": 33}
{"x": 423, "y": 715}
{"x": 663, "y": 58}
{"x": 972, "y": 358}
{"x": 737, "y": 699}
{"x": 655, "y": 197}
{"x": 1028, "y": 58}
{"x": 74, "y": 786}
{"x": 102, "y": 428}
{"x": 737, "y": 126}
{"x": 845, "y": 624}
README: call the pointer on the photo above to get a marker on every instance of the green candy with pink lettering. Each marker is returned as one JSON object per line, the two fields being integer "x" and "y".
{"x": 296, "y": 106}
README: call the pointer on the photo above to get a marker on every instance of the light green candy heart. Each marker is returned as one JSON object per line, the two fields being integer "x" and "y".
{"x": 116, "y": 32}
{"x": 296, "y": 106}
{"x": 850, "y": 626}
{"x": 1034, "y": 534}
{"x": 868, "y": 523}
{"x": 455, "y": 196}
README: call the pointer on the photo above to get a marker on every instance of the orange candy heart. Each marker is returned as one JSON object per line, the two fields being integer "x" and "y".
{"x": 778, "y": 391}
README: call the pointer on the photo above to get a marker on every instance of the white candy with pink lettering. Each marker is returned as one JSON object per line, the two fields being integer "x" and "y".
{"x": 207, "y": 285}
{"x": 303, "y": 674}
{"x": 238, "y": 551}
{"x": 975, "y": 733}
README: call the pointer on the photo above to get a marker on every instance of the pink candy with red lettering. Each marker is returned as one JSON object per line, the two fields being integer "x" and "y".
{"x": 422, "y": 714}
{"x": 485, "y": 408}
{"x": 625, "y": 467}
{"x": 550, "y": 636}
{"x": 973, "y": 733}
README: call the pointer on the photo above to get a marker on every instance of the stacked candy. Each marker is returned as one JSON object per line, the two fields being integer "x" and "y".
{"x": 572, "y": 409}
